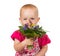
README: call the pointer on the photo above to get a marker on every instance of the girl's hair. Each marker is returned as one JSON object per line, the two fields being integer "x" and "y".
{"x": 30, "y": 6}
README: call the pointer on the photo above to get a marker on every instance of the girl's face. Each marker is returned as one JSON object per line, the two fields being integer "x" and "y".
{"x": 29, "y": 16}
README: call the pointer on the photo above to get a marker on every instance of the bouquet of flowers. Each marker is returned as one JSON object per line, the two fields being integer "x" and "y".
{"x": 32, "y": 32}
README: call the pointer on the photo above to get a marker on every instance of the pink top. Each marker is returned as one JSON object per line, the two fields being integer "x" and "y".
{"x": 44, "y": 40}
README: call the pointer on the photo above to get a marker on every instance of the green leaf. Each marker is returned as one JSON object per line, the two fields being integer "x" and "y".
{"x": 32, "y": 33}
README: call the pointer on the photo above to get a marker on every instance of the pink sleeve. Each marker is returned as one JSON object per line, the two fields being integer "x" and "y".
{"x": 44, "y": 40}
{"x": 17, "y": 34}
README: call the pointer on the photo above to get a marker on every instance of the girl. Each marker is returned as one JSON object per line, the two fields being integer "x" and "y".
{"x": 29, "y": 15}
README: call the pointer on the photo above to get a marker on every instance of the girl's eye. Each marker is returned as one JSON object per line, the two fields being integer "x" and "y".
{"x": 25, "y": 18}
{"x": 32, "y": 18}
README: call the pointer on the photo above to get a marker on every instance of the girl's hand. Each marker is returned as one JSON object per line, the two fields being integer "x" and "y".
{"x": 19, "y": 46}
{"x": 28, "y": 41}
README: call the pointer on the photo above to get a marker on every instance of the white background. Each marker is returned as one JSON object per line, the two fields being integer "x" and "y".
{"x": 49, "y": 13}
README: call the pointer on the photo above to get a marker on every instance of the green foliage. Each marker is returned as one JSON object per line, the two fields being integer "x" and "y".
{"x": 32, "y": 32}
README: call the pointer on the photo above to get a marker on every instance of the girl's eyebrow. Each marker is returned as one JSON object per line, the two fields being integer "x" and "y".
{"x": 29, "y": 18}
{"x": 24, "y": 18}
{"x": 32, "y": 18}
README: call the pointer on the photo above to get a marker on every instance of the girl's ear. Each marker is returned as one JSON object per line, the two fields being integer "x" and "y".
{"x": 38, "y": 18}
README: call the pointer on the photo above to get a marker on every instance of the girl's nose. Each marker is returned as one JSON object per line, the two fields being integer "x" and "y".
{"x": 29, "y": 22}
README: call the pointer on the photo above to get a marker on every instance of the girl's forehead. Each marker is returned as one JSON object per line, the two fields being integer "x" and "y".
{"x": 29, "y": 11}
{"x": 28, "y": 14}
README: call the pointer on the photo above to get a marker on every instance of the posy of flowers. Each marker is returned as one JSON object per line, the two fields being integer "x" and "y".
{"x": 33, "y": 31}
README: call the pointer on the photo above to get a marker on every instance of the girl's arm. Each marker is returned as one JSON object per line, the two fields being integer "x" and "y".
{"x": 19, "y": 46}
{"x": 42, "y": 51}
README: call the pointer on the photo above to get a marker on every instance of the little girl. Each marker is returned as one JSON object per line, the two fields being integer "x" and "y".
{"x": 29, "y": 15}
